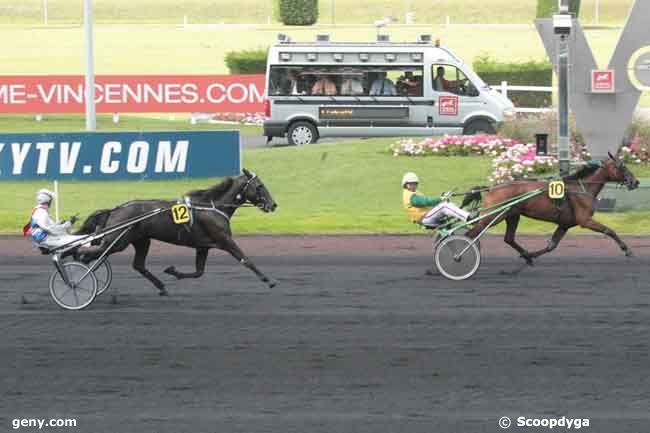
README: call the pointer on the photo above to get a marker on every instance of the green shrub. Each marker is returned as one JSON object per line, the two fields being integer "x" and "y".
{"x": 546, "y": 8}
{"x": 530, "y": 73}
{"x": 296, "y": 12}
{"x": 247, "y": 61}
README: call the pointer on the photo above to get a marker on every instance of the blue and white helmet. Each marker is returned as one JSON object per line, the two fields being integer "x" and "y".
{"x": 44, "y": 196}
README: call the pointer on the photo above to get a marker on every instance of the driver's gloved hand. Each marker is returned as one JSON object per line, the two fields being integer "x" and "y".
{"x": 73, "y": 219}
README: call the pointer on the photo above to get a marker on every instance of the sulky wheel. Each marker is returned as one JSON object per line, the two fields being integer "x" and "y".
{"x": 457, "y": 258}
{"x": 80, "y": 292}
{"x": 104, "y": 275}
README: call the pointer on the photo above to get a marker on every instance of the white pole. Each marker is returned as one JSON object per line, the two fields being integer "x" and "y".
{"x": 56, "y": 201}
{"x": 504, "y": 88}
{"x": 44, "y": 12}
{"x": 597, "y": 11}
{"x": 91, "y": 115}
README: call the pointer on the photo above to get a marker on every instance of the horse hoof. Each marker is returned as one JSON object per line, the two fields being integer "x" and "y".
{"x": 272, "y": 284}
{"x": 429, "y": 272}
{"x": 629, "y": 253}
{"x": 163, "y": 293}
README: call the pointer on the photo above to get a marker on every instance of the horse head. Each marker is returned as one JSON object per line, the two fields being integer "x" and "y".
{"x": 617, "y": 171}
{"x": 255, "y": 192}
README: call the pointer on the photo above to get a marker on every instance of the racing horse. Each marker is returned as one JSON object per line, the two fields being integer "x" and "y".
{"x": 581, "y": 192}
{"x": 209, "y": 226}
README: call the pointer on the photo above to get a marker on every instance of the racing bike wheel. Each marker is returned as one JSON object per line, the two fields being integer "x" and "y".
{"x": 457, "y": 257}
{"x": 81, "y": 291}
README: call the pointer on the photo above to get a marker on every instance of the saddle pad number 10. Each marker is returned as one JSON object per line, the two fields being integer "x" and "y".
{"x": 556, "y": 189}
{"x": 180, "y": 214}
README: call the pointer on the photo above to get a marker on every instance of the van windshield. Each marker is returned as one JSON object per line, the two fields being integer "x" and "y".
{"x": 333, "y": 80}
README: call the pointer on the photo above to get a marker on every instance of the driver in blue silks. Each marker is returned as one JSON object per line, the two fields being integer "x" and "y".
{"x": 43, "y": 230}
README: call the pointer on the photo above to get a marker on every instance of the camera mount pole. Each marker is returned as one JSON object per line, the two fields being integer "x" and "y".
{"x": 562, "y": 26}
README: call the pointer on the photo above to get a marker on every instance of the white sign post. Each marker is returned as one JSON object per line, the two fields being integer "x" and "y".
{"x": 91, "y": 116}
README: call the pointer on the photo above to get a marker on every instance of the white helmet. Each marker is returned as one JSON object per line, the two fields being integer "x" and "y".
{"x": 410, "y": 177}
{"x": 44, "y": 196}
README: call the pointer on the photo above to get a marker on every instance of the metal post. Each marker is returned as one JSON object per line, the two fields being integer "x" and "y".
{"x": 333, "y": 14}
{"x": 44, "y": 12}
{"x": 91, "y": 115}
{"x": 564, "y": 153}
{"x": 597, "y": 11}
{"x": 56, "y": 201}
{"x": 563, "y": 107}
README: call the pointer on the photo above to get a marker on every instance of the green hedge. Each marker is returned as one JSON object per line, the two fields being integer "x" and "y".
{"x": 247, "y": 61}
{"x": 546, "y": 8}
{"x": 296, "y": 12}
{"x": 530, "y": 73}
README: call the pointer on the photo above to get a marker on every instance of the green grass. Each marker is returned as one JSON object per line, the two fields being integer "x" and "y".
{"x": 350, "y": 187}
{"x": 256, "y": 11}
{"x": 76, "y": 123}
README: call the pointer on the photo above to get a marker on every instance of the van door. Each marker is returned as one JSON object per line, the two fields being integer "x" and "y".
{"x": 455, "y": 96}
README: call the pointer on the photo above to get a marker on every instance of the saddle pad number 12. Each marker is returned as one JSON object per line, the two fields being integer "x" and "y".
{"x": 556, "y": 189}
{"x": 180, "y": 214}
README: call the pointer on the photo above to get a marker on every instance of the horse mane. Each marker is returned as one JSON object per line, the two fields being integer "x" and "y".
{"x": 583, "y": 172}
{"x": 214, "y": 192}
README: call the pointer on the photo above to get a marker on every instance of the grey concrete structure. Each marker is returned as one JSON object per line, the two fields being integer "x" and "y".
{"x": 603, "y": 117}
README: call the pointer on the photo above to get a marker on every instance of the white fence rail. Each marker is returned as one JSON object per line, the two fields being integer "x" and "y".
{"x": 504, "y": 88}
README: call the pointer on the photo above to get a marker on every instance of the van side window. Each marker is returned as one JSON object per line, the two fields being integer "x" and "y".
{"x": 448, "y": 78}
{"x": 345, "y": 80}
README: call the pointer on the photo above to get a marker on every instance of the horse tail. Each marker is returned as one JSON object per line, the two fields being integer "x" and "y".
{"x": 96, "y": 220}
{"x": 473, "y": 196}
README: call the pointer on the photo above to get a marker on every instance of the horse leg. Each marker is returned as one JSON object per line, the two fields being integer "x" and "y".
{"x": 552, "y": 243}
{"x": 600, "y": 228}
{"x": 230, "y": 246}
{"x": 201, "y": 258}
{"x": 512, "y": 221}
{"x": 141, "y": 249}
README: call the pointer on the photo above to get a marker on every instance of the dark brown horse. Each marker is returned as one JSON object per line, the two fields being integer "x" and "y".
{"x": 582, "y": 189}
{"x": 209, "y": 227}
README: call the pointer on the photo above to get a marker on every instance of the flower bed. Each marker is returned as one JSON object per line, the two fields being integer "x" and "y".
{"x": 510, "y": 159}
{"x": 635, "y": 152}
{"x": 244, "y": 118}
{"x": 520, "y": 162}
{"x": 454, "y": 145}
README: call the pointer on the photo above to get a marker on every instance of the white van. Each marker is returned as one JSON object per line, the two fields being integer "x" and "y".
{"x": 328, "y": 89}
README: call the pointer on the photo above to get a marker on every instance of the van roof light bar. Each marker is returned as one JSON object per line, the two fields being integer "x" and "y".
{"x": 424, "y": 39}
{"x": 323, "y": 37}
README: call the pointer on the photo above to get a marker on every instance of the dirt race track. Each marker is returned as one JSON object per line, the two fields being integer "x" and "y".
{"x": 355, "y": 338}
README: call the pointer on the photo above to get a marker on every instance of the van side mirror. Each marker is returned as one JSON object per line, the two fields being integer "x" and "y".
{"x": 472, "y": 90}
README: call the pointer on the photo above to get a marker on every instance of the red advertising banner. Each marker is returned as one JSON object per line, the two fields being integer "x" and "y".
{"x": 133, "y": 93}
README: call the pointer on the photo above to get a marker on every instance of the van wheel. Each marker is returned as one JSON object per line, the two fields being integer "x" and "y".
{"x": 477, "y": 127}
{"x": 301, "y": 133}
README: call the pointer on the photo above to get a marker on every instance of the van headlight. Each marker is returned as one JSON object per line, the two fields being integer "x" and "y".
{"x": 509, "y": 113}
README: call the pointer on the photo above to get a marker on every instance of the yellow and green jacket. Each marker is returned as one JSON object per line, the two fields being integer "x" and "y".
{"x": 417, "y": 205}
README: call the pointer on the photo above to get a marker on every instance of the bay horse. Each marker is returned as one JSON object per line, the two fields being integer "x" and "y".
{"x": 582, "y": 189}
{"x": 209, "y": 227}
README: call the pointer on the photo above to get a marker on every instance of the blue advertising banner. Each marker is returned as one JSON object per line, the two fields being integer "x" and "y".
{"x": 119, "y": 155}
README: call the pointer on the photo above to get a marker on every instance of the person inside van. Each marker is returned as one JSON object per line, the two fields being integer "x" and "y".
{"x": 439, "y": 82}
{"x": 293, "y": 84}
{"x": 324, "y": 86}
{"x": 383, "y": 86}
{"x": 419, "y": 207}
{"x": 351, "y": 85}
{"x": 409, "y": 84}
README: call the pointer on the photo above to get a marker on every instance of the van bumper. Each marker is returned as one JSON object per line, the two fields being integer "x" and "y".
{"x": 275, "y": 129}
